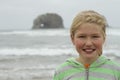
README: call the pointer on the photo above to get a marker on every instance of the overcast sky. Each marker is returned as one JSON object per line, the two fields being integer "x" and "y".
{"x": 19, "y": 14}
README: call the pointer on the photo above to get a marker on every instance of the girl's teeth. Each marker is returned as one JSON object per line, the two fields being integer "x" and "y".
{"x": 88, "y": 50}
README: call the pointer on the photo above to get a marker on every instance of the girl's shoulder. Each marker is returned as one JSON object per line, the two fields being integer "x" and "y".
{"x": 114, "y": 64}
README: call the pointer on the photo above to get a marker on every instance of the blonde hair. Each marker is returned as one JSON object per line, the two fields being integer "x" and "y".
{"x": 89, "y": 16}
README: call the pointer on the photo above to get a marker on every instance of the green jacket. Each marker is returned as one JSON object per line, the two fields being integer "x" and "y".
{"x": 101, "y": 69}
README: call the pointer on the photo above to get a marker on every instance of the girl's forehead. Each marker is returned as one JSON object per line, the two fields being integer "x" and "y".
{"x": 90, "y": 32}
{"x": 89, "y": 27}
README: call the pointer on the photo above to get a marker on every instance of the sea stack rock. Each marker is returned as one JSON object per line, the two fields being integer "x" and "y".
{"x": 47, "y": 21}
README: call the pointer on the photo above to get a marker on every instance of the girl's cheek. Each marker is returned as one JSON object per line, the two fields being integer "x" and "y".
{"x": 99, "y": 44}
{"x": 79, "y": 42}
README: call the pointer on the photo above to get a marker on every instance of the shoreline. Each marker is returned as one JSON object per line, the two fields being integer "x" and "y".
{"x": 30, "y": 67}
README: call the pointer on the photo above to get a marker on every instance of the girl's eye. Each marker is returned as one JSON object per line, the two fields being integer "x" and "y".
{"x": 81, "y": 36}
{"x": 95, "y": 36}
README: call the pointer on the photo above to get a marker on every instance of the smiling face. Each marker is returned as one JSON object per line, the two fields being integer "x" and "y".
{"x": 88, "y": 41}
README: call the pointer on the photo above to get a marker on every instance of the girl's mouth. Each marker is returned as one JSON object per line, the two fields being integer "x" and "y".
{"x": 89, "y": 50}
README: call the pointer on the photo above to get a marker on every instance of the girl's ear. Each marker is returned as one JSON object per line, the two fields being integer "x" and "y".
{"x": 104, "y": 39}
{"x": 72, "y": 38}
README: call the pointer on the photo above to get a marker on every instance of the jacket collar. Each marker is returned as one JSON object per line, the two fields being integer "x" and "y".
{"x": 100, "y": 61}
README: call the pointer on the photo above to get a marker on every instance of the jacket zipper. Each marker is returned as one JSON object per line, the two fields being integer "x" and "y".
{"x": 87, "y": 71}
{"x": 87, "y": 74}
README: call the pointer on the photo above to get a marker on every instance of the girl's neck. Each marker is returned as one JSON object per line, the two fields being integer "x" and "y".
{"x": 86, "y": 61}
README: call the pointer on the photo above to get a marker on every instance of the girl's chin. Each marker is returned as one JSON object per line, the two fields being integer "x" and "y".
{"x": 91, "y": 56}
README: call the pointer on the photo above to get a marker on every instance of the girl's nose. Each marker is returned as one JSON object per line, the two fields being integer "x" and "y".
{"x": 88, "y": 42}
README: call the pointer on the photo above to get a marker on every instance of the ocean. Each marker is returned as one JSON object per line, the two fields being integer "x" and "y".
{"x": 34, "y": 54}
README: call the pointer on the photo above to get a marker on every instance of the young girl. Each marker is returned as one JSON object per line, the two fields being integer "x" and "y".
{"x": 88, "y": 33}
